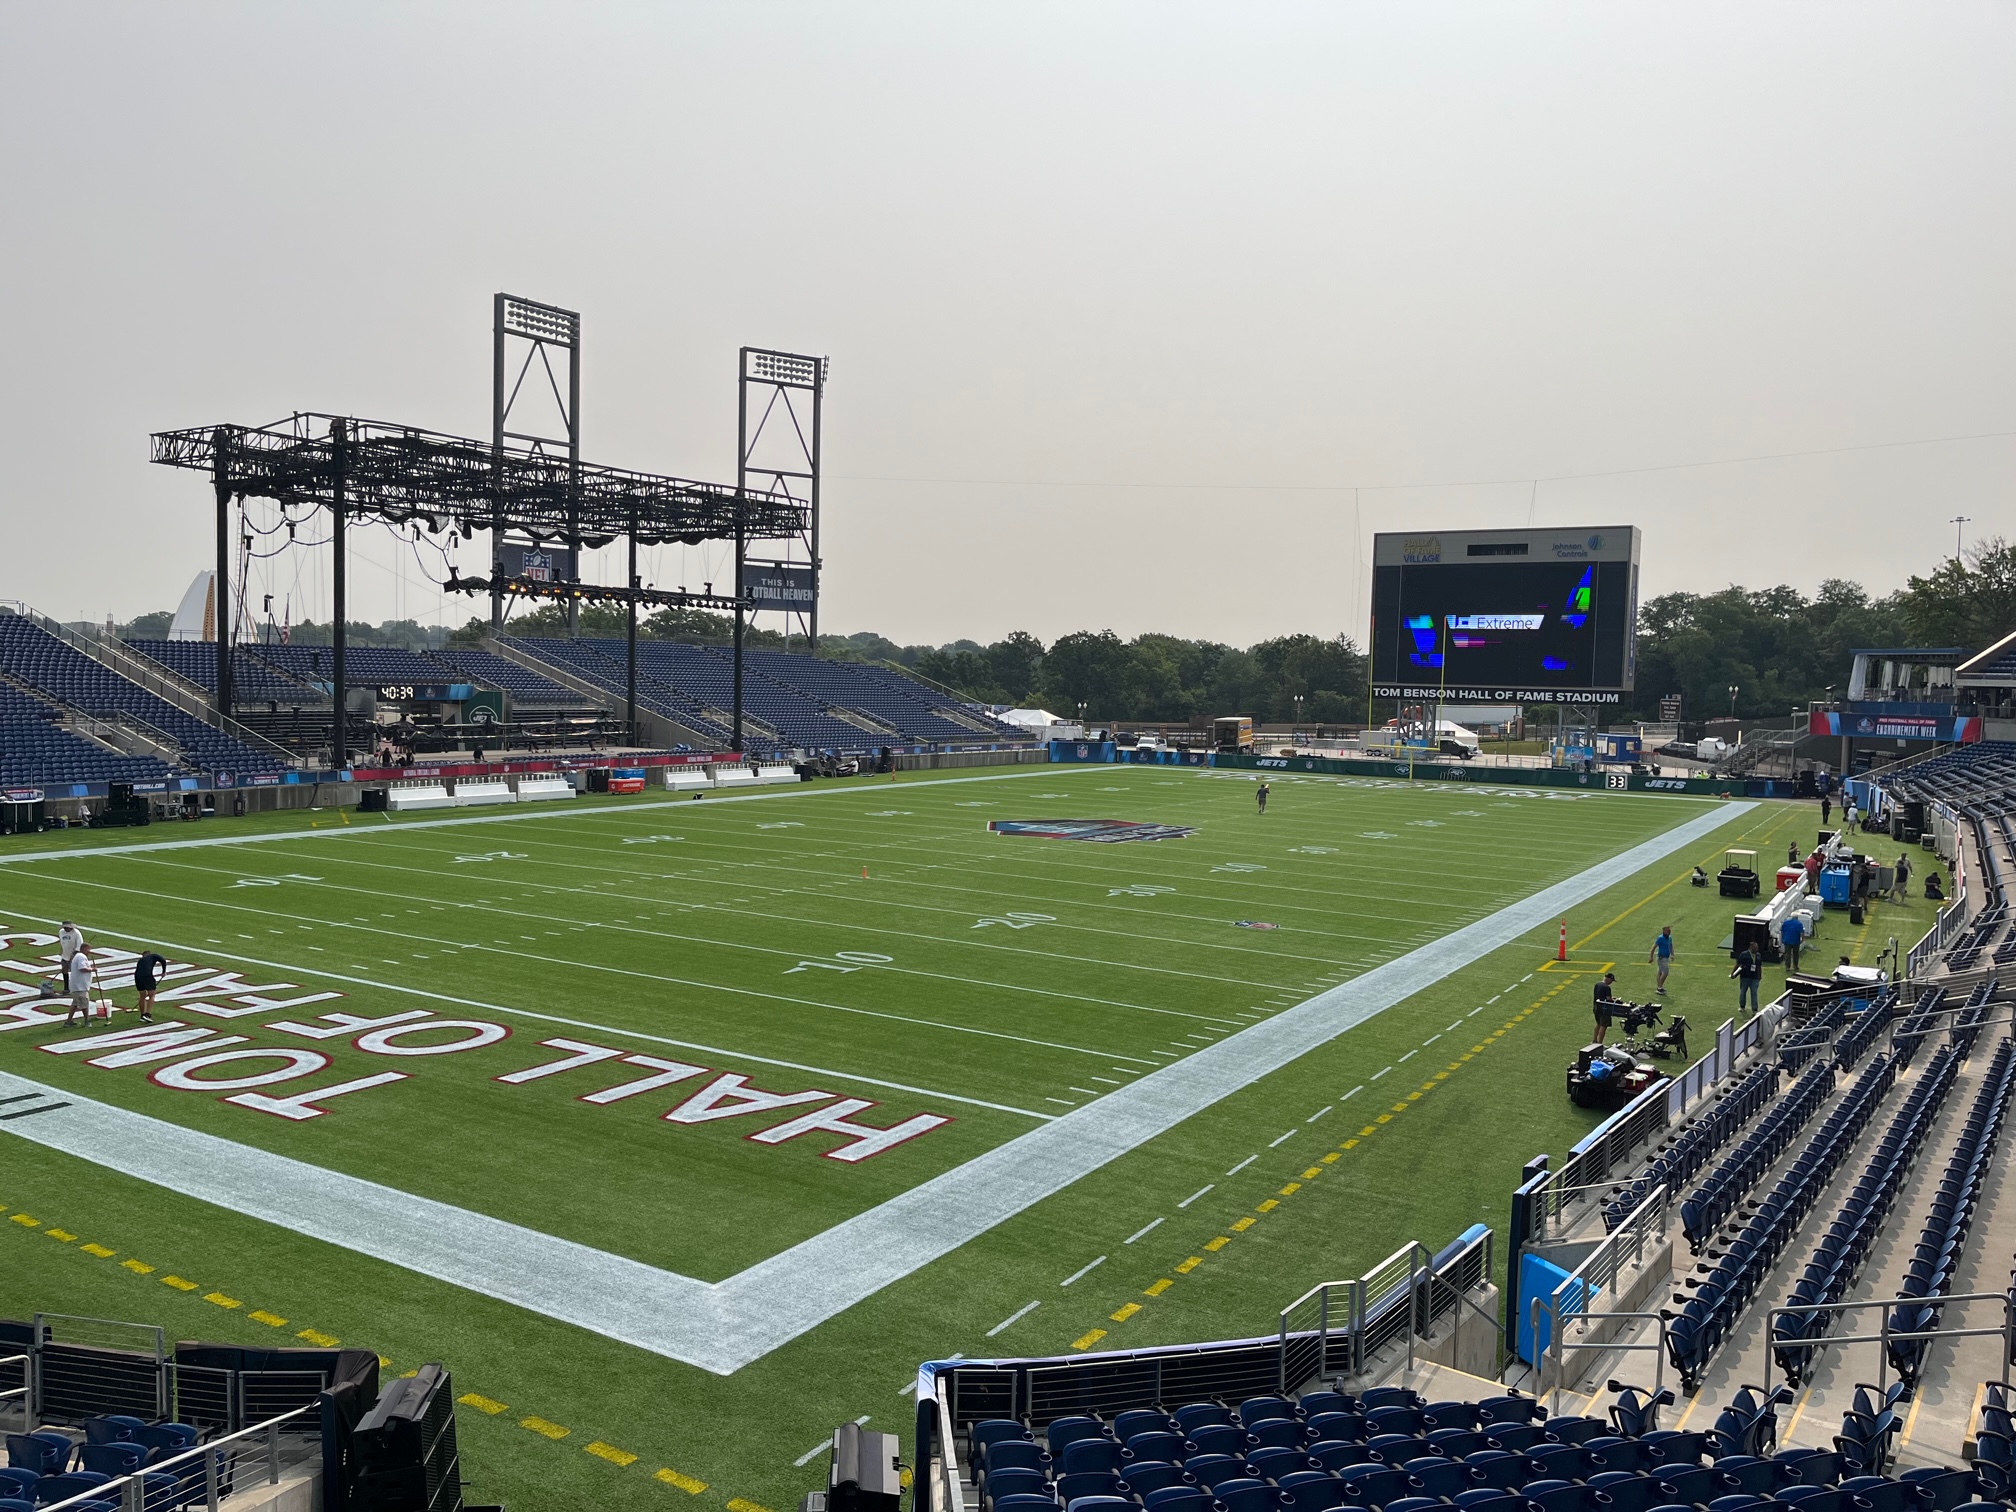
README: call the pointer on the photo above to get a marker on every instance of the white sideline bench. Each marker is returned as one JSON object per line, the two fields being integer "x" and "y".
{"x": 770, "y": 774}
{"x": 488, "y": 791}
{"x": 733, "y": 776}
{"x": 687, "y": 779}
{"x": 428, "y": 796}
{"x": 534, "y": 789}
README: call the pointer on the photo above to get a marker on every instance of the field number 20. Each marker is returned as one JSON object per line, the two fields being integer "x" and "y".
{"x": 1016, "y": 920}
{"x": 845, "y": 960}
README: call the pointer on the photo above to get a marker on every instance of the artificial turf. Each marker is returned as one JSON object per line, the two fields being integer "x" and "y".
{"x": 728, "y": 925}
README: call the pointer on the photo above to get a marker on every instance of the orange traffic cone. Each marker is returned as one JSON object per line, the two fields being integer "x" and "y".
{"x": 864, "y": 874}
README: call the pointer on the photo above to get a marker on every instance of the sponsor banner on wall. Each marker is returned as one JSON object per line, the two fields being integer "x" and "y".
{"x": 1877, "y": 725}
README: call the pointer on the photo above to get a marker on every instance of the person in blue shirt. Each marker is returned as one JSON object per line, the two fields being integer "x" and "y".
{"x": 1662, "y": 954}
{"x": 1792, "y": 934}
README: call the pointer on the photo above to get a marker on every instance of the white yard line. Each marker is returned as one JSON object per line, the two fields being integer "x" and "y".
{"x": 372, "y": 831}
{"x": 1317, "y": 1114}
{"x": 1015, "y": 1317}
{"x": 1242, "y": 1165}
{"x": 1273, "y": 1142}
{"x": 1195, "y": 1195}
{"x": 726, "y": 1325}
{"x": 1083, "y": 1270}
{"x": 1139, "y": 1233}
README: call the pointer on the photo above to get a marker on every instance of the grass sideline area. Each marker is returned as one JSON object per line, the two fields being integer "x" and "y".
{"x": 752, "y": 926}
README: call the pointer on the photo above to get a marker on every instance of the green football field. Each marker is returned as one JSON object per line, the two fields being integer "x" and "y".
{"x": 681, "y": 1131}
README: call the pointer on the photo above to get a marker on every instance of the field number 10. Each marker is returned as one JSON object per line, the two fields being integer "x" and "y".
{"x": 845, "y": 960}
{"x": 1016, "y": 920}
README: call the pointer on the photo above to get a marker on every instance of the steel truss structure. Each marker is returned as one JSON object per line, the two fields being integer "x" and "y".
{"x": 372, "y": 470}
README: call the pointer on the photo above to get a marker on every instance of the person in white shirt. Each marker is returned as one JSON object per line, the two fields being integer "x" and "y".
{"x": 70, "y": 939}
{"x": 77, "y": 977}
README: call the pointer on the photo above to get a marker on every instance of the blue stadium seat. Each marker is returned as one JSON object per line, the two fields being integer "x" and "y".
{"x": 44, "y": 1453}
{"x": 1143, "y": 1476}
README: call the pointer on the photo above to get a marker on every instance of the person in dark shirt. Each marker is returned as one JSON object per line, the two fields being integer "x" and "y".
{"x": 1748, "y": 971}
{"x": 146, "y": 977}
{"x": 1606, "y": 996}
{"x": 1261, "y": 794}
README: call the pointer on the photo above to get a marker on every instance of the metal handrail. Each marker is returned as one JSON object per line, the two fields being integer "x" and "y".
{"x": 25, "y": 1390}
{"x": 1885, "y": 1334}
{"x": 948, "y": 1456}
{"x": 1560, "y": 1342}
{"x": 131, "y": 1488}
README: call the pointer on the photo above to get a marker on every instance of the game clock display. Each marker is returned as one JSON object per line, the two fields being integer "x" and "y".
{"x": 1504, "y": 615}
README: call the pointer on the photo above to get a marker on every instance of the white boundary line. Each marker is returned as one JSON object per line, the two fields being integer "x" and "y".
{"x": 723, "y": 1326}
{"x": 351, "y": 831}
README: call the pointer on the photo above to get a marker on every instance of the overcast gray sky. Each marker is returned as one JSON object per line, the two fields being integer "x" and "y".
{"x": 1123, "y": 301}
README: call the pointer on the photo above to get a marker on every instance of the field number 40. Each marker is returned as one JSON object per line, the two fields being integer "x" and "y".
{"x": 845, "y": 960}
{"x": 1016, "y": 920}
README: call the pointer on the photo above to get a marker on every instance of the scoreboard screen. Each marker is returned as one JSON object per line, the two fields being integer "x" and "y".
{"x": 1505, "y": 616}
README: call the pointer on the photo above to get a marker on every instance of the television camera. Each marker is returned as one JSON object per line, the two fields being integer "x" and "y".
{"x": 1666, "y": 1044}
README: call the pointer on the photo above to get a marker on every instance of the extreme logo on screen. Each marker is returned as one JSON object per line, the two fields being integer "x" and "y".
{"x": 1107, "y": 830}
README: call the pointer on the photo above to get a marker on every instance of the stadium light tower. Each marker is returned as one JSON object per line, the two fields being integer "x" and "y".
{"x": 1734, "y": 689}
{"x": 544, "y": 329}
{"x": 1958, "y": 522}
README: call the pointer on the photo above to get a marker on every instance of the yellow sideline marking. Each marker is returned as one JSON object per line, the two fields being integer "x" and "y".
{"x": 610, "y": 1453}
{"x": 1331, "y": 1158}
{"x": 1159, "y": 1287}
{"x": 269, "y": 1319}
{"x": 319, "y": 1340}
{"x": 61, "y": 1235}
{"x": 480, "y": 1403}
{"x": 178, "y": 1283}
{"x": 1293, "y": 1187}
{"x": 1214, "y": 1245}
{"x": 687, "y": 1484}
{"x": 1243, "y": 1224}
{"x": 1122, "y": 1314}
{"x": 1185, "y": 1267}
{"x": 137, "y": 1267}
{"x": 25, "y": 1221}
{"x": 737, "y": 1504}
{"x": 100, "y": 1251}
{"x": 1086, "y": 1341}
{"x": 221, "y": 1300}
{"x": 545, "y": 1429}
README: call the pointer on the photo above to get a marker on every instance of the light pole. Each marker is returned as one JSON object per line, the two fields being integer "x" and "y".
{"x": 1298, "y": 716}
{"x": 1734, "y": 689}
{"x": 1957, "y": 522}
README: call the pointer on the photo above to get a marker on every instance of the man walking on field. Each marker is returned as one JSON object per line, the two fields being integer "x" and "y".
{"x": 1662, "y": 954}
{"x": 1261, "y": 795}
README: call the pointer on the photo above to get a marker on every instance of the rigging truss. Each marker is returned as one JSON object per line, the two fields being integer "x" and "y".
{"x": 400, "y": 473}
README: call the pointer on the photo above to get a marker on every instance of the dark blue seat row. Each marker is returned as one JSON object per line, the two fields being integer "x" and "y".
{"x": 1697, "y": 1332}
{"x": 1207, "y": 1457}
{"x": 1944, "y": 1234}
{"x": 38, "y": 659}
{"x": 1682, "y": 1159}
{"x": 1708, "y": 1206}
{"x": 1838, "y": 1257}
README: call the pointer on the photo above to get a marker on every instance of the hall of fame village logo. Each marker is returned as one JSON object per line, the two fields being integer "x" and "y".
{"x": 1105, "y": 830}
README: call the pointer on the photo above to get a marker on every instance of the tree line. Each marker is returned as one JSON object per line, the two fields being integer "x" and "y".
{"x": 1776, "y": 647}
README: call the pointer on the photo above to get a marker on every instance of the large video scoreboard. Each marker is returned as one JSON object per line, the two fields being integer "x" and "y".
{"x": 1505, "y": 616}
